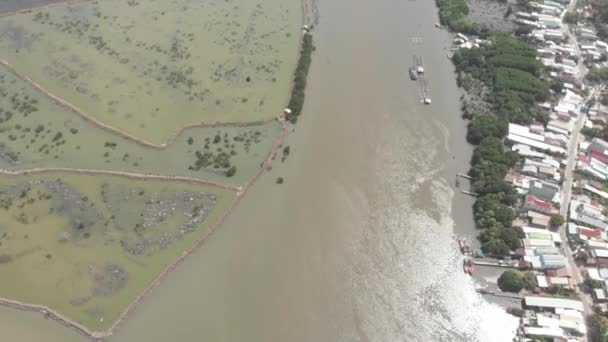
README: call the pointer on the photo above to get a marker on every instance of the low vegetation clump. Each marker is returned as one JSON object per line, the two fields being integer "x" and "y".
{"x": 299, "y": 83}
{"x": 557, "y": 221}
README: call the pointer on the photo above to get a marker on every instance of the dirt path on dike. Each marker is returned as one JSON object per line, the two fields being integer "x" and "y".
{"x": 310, "y": 17}
{"x": 240, "y": 193}
{"x": 124, "y": 134}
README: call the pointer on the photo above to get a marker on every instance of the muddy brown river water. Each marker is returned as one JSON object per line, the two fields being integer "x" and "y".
{"x": 359, "y": 244}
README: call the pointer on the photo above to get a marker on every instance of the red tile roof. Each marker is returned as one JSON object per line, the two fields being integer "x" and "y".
{"x": 539, "y": 203}
{"x": 592, "y": 233}
{"x": 599, "y": 155}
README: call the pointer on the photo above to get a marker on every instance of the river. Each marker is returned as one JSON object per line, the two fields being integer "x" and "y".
{"x": 359, "y": 243}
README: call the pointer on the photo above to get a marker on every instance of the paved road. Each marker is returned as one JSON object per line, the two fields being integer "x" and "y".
{"x": 572, "y": 269}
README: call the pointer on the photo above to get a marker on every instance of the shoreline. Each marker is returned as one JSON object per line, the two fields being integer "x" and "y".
{"x": 309, "y": 8}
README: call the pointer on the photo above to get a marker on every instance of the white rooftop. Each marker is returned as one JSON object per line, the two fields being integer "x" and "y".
{"x": 551, "y": 302}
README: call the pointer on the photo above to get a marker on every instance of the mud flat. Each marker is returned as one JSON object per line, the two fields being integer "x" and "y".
{"x": 85, "y": 247}
{"x": 151, "y": 67}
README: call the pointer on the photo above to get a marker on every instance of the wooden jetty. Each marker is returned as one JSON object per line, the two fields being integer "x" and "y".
{"x": 464, "y": 175}
{"x": 470, "y": 193}
{"x": 493, "y": 264}
{"x": 498, "y": 294}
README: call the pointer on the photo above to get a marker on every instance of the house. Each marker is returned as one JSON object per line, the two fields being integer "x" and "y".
{"x": 552, "y": 303}
{"x": 599, "y": 295}
{"x": 535, "y": 204}
{"x": 538, "y": 220}
{"x": 545, "y": 191}
{"x": 521, "y": 135}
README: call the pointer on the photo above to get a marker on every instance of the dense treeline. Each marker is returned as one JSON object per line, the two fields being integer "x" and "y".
{"x": 600, "y": 17}
{"x": 509, "y": 69}
{"x": 597, "y": 76}
{"x": 299, "y": 84}
{"x": 453, "y": 14}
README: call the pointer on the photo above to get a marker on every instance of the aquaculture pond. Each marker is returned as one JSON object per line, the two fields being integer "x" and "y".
{"x": 151, "y": 67}
{"x": 88, "y": 246}
{"x": 36, "y": 132}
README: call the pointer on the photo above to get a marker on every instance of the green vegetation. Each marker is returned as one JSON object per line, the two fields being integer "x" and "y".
{"x": 299, "y": 83}
{"x": 598, "y": 326}
{"x": 509, "y": 68}
{"x": 600, "y": 18}
{"x": 484, "y": 126}
{"x": 453, "y": 14}
{"x": 35, "y": 132}
{"x": 597, "y": 76}
{"x": 557, "y": 221}
{"x": 87, "y": 246}
{"x": 515, "y": 281}
{"x": 510, "y": 71}
{"x": 127, "y": 64}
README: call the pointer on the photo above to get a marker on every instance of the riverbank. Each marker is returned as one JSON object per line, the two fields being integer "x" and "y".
{"x": 358, "y": 242}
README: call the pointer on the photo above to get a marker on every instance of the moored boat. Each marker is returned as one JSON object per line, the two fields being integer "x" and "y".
{"x": 465, "y": 247}
{"x": 413, "y": 74}
{"x": 468, "y": 266}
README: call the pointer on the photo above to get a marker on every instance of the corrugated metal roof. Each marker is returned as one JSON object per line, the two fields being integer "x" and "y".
{"x": 551, "y": 302}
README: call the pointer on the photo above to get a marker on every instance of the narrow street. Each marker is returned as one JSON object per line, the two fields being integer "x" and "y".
{"x": 572, "y": 268}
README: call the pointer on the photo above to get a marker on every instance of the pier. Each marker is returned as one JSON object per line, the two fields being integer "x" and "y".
{"x": 493, "y": 264}
{"x": 498, "y": 294}
{"x": 470, "y": 193}
{"x": 464, "y": 175}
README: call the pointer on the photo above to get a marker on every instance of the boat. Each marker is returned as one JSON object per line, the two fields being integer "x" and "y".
{"x": 457, "y": 182}
{"x": 465, "y": 247}
{"x": 427, "y": 100}
{"x": 420, "y": 69}
{"x": 413, "y": 74}
{"x": 468, "y": 266}
{"x": 437, "y": 25}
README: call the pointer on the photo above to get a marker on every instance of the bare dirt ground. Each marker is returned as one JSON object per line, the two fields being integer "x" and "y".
{"x": 492, "y": 14}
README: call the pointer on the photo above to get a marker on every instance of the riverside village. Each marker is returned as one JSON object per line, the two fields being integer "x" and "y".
{"x": 547, "y": 248}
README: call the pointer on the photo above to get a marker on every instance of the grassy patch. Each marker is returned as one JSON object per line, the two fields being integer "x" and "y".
{"x": 150, "y": 67}
{"x": 87, "y": 246}
{"x": 35, "y": 132}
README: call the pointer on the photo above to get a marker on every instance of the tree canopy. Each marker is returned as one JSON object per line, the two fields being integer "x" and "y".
{"x": 557, "y": 220}
{"x": 510, "y": 69}
{"x": 511, "y": 281}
